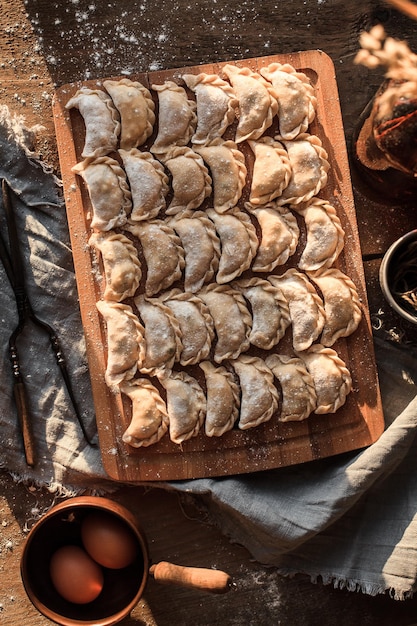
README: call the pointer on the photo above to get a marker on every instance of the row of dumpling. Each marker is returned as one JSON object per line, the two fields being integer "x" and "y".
{"x": 243, "y": 393}
{"x": 138, "y": 190}
{"x": 123, "y": 114}
{"x": 224, "y": 321}
{"x": 291, "y": 166}
{"x": 201, "y": 246}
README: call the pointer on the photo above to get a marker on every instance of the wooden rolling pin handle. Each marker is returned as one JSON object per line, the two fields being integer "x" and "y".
{"x": 212, "y": 580}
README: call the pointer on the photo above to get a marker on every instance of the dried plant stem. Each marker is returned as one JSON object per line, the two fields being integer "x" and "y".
{"x": 408, "y": 8}
{"x": 378, "y": 50}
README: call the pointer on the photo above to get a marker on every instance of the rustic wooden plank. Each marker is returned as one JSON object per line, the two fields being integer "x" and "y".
{"x": 260, "y": 595}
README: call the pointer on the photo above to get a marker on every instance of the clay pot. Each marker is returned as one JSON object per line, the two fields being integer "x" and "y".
{"x": 122, "y": 588}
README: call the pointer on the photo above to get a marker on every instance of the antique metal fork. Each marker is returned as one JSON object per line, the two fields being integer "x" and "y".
{"x": 13, "y": 265}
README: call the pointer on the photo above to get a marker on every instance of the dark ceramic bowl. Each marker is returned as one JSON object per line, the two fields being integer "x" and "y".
{"x": 398, "y": 274}
{"x": 60, "y": 526}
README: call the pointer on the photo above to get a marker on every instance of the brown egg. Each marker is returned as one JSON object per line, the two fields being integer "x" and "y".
{"x": 108, "y": 540}
{"x": 75, "y": 576}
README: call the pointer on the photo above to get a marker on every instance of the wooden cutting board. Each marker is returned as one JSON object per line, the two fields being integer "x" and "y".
{"x": 355, "y": 425}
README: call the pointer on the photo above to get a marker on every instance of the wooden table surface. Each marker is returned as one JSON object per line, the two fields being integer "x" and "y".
{"x": 46, "y": 44}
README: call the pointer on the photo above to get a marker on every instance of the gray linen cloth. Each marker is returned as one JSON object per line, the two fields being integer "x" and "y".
{"x": 349, "y": 520}
{"x": 64, "y": 460}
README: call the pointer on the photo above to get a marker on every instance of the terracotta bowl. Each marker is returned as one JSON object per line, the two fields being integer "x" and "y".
{"x": 395, "y": 274}
{"x": 61, "y": 525}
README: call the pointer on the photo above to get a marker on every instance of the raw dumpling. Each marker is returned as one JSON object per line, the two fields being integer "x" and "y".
{"x": 186, "y": 405}
{"x": 163, "y": 343}
{"x": 163, "y": 254}
{"x": 201, "y": 247}
{"x": 279, "y": 236}
{"x": 296, "y": 99}
{"x": 228, "y": 172}
{"x": 270, "y": 312}
{"x": 101, "y": 120}
{"x": 271, "y": 170}
{"x": 122, "y": 268}
{"x": 191, "y": 182}
{"x": 125, "y": 341}
{"x": 136, "y": 108}
{"x": 257, "y": 102}
{"x": 259, "y": 396}
{"x": 238, "y": 242}
{"x": 298, "y": 394}
{"x": 232, "y": 320}
{"x": 223, "y": 399}
{"x": 148, "y": 183}
{"x": 306, "y": 308}
{"x": 309, "y": 167}
{"x": 325, "y": 235}
{"x": 341, "y": 304}
{"x": 176, "y": 117}
{"x": 216, "y": 104}
{"x": 195, "y": 323}
{"x": 108, "y": 191}
{"x": 149, "y": 421}
{"x": 332, "y": 380}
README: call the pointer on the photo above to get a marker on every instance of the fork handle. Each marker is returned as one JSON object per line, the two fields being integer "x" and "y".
{"x": 24, "y": 421}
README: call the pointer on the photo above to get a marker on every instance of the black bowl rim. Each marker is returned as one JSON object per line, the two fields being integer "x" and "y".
{"x": 383, "y": 275}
